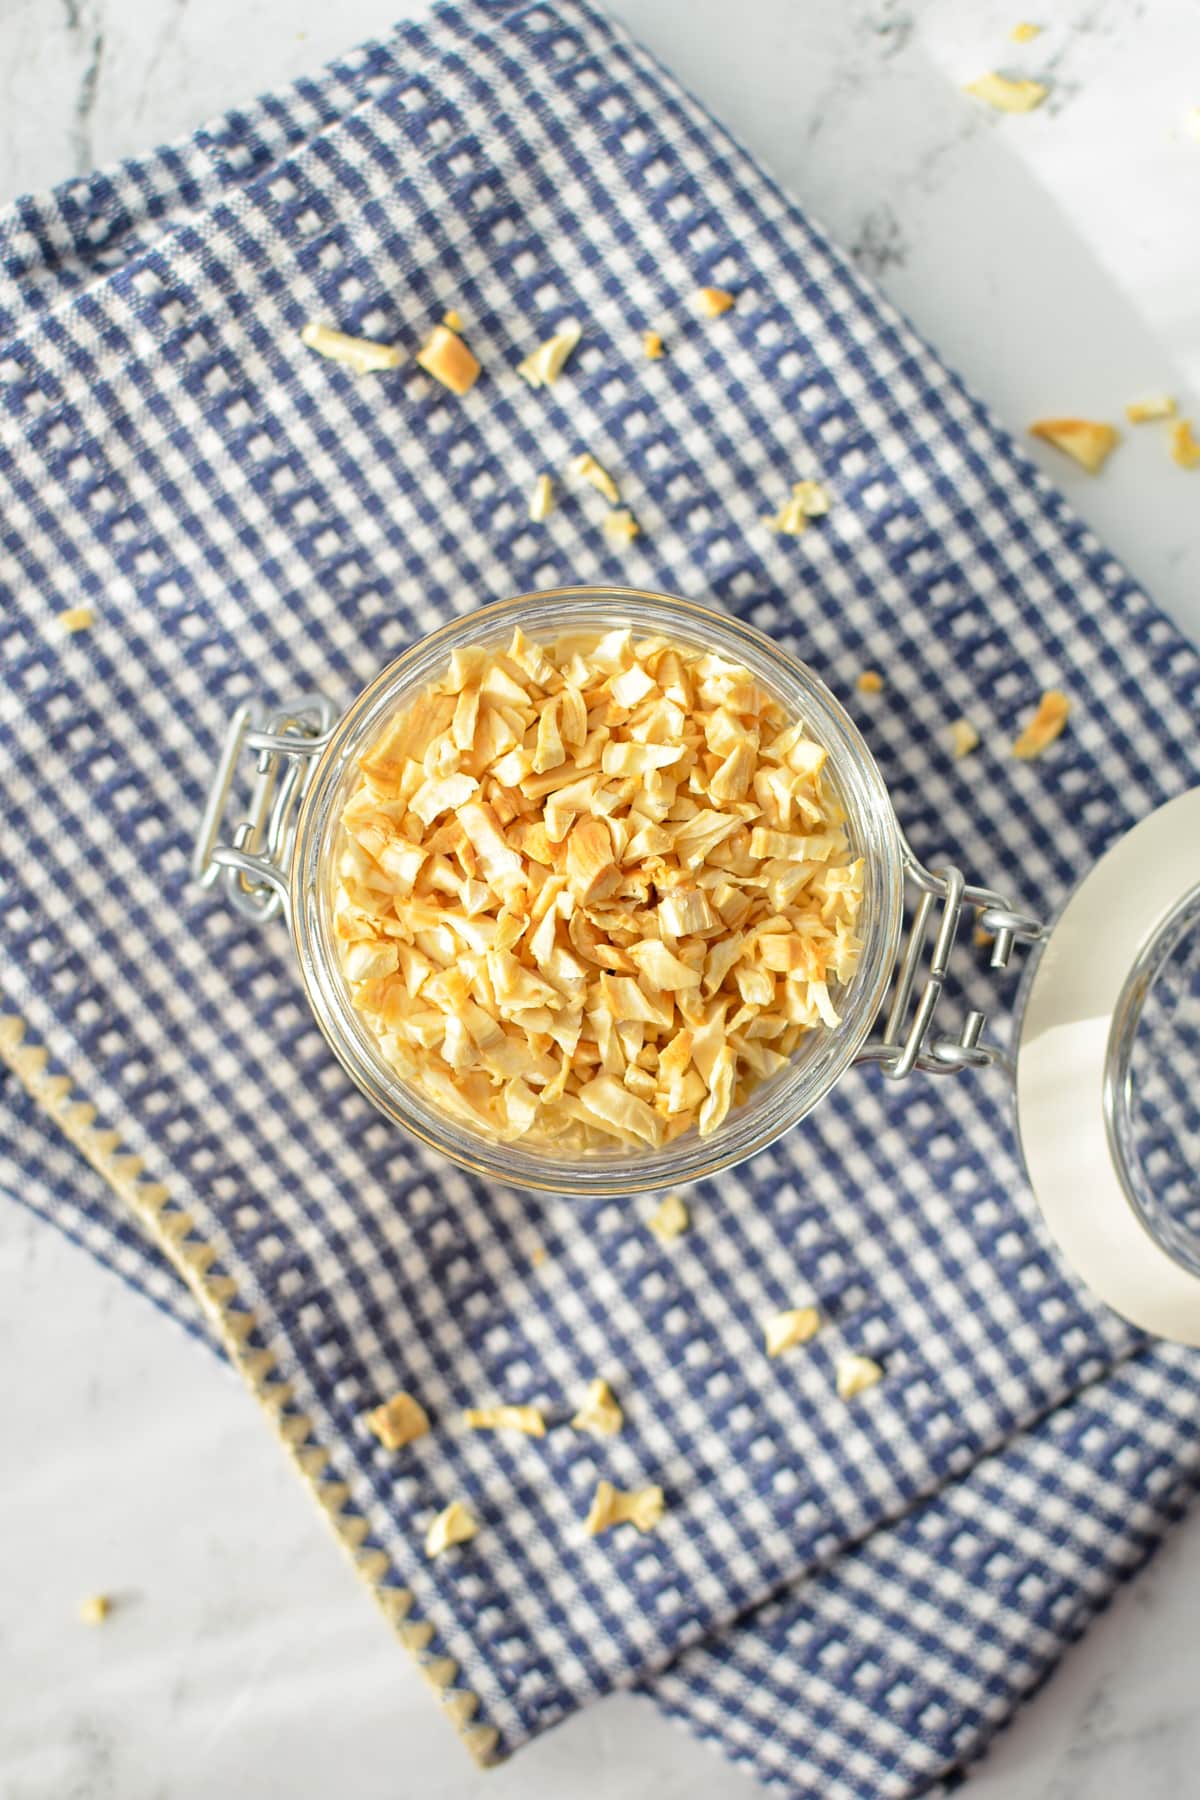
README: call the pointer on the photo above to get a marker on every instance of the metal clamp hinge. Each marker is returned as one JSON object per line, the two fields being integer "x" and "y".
{"x": 252, "y": 863}
{"x": 908, "y": 1041}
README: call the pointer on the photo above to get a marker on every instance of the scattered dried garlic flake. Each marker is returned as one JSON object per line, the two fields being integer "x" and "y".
{"x": 452, "y": 320}
{"x": 1046, "y": 724}
{"x": 594, "y": 891}
{"x": 77, "y": 618}
{"x": 1007, "y": 96}
{"x": 506, "y": 1418}
{"x": 1088, "y": 441}
{"x": 360, "y": 354}
{"x": 621, "y": 525}
{"x": 643, "y": 1507}
{"x": 984, "y": 939}
{"x": 870, "y": 682}
{"x": 543, "y": 366}
{"x": 809, "y": 501}
{"x": 652, "y": 344}
{"x": 398, "y": 1421}
{"x": 669, "y": 1219}
{"x": 855, "y": 1374}
{"x": 537, "y": 1256}
{"x": 787, "y": 1329}
{"x": 963, "y": 738}
{"x": 95, "y": 1609}
{"x": 1025, "y": 33}
{"x": 1184, "y": 448}
{"x": 586, "y": 466}
{"x": 600, "y": 1414}
{"x": 714, "y": 301}
{"x": 447, "y": 358}
{"x": 812, "y": 497}
{"x": 1157, "y": 406}
{"x": 541, "y": 501}
{"x": 453, "y": 1525}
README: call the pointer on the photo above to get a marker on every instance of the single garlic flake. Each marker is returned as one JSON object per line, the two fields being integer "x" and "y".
{"x": 855, "y": 1374}
{"x": 787, "y": 1329}
{"x": 809, "y": 501}
{"x": 506, "y": 1418}
{"x": 870, "y": 682}
{"x": 541, "y": 501}
{"x": 963, "y": 738}
{"x": 543, "y": 366}
{"x": 453, "y": 1525}
{"x": 1154, "y": 407}
{"x": 669, "y": 1219}
{"x": 643, "y": 1507}
{"x": 586, "y": 466}
{"x": 621, "y": 526}
{"x": 398, "y": 1421}
{"x": 713, "y": 301}
{"x": 360, "y": 354}
{"x": 652, "y": 344}
{"x": 1025, "y": 33}
{"x": 812, "y": 497}
{"x": 448, "y": 359}
{"x": 1184, "y": 448}
{"x": 77, "y": 618}
{"x": 1089, "y": 442}
{"x": 1003, "y": 95}
{"x": 95, "y": 1609}
{"x": 600, "y": 1413}
{"x": 1046, "y": 724}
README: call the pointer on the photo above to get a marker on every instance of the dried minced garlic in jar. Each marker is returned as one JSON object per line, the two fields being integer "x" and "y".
{"x": 590, "y": 893}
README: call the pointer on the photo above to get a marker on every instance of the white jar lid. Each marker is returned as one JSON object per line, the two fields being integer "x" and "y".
{"x": 1108, "y": 1108}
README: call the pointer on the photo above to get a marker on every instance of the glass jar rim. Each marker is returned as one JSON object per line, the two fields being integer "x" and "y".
{"x": 775, "y": 1106}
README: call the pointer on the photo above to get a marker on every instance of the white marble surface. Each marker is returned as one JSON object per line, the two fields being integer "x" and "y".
{"x": 1054, "y": 258}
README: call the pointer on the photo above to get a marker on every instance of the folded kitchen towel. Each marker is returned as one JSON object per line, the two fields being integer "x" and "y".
{"x": 891, "y": 1668}
{"x": 847, "y": 1595}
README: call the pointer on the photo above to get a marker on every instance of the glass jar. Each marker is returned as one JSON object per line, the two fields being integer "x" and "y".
{"x": 284, "y": 856}
{"x": 1108, "y": 1043}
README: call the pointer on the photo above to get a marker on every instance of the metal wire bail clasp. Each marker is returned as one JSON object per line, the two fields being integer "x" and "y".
{"x": 907, "y": 1042}
{"x": 252, "y": 865}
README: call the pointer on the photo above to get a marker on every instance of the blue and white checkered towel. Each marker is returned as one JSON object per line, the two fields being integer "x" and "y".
{"x": 849, "y": 1598}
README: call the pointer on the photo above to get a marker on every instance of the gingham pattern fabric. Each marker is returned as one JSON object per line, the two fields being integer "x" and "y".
{"x": 246, "y": 518}
{"x": 891, "y": 1669}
